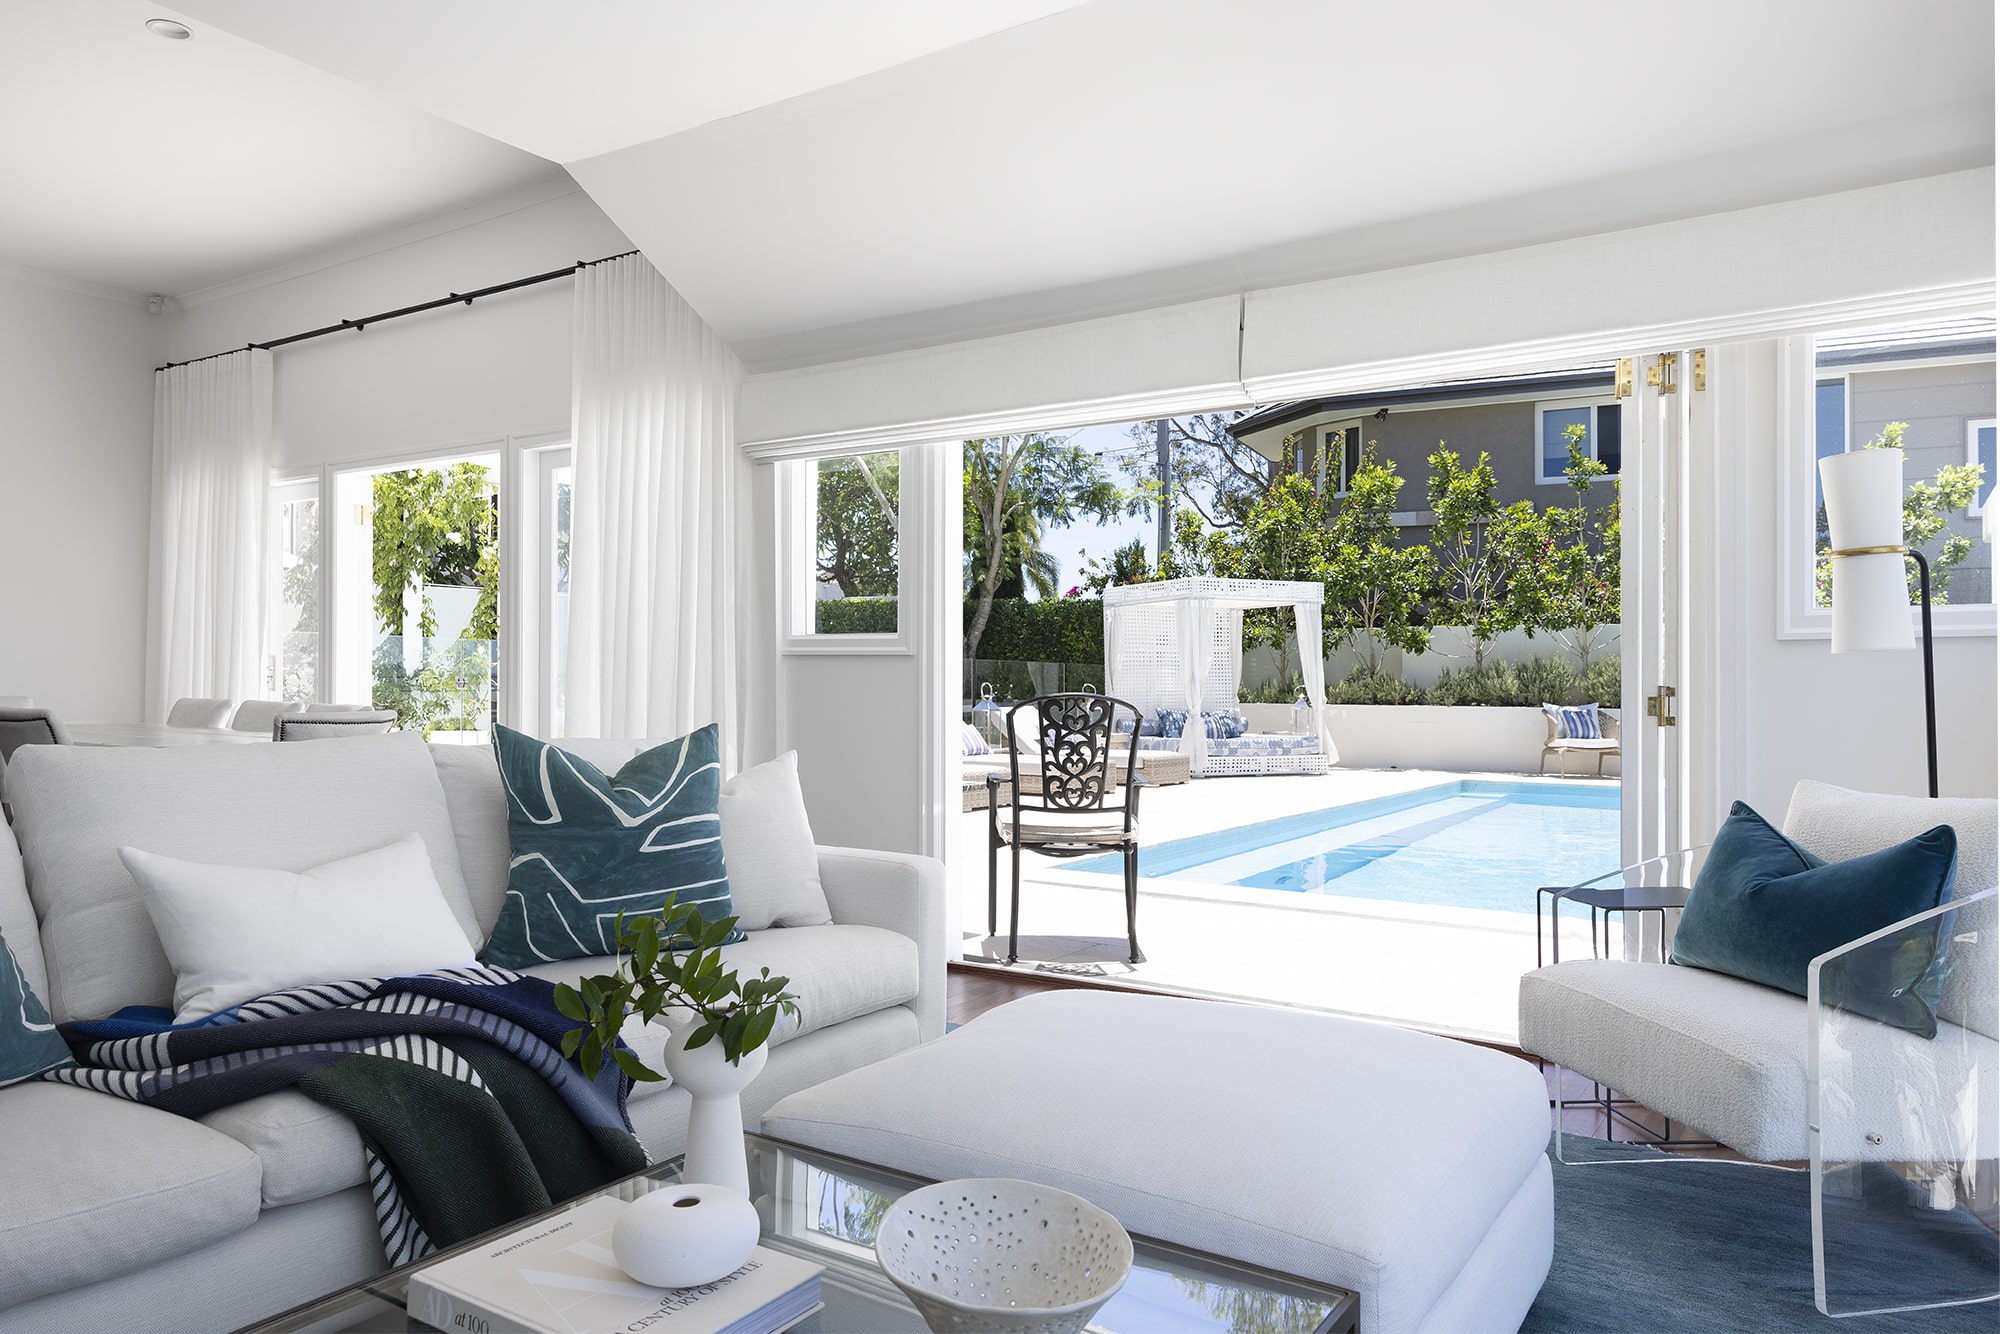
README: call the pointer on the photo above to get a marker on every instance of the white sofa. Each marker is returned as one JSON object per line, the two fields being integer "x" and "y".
{"x": 115, "y": 1215}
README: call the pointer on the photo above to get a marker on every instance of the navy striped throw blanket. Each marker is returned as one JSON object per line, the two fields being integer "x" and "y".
{"x": 455, "y": 1078}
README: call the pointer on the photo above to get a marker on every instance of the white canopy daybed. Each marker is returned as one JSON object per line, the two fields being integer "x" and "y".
{"x": 1178, "y": 644}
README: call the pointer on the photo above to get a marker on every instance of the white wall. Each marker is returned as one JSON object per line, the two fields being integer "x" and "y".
{"x": 76, "y": 440}
{"x": 1855, "y": 719}
{"x": 458, "y": 375}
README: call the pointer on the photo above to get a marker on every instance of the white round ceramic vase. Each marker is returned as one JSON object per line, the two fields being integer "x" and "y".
{"x": 680, "y": 1236}
{"x": 715, "y": 1153}
{"x": 995, "y": 1254}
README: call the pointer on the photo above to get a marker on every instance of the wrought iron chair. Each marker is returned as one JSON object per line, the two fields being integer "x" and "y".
{"x": 1069, "y": 813}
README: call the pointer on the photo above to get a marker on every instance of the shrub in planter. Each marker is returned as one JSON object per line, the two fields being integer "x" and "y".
{"x": 855, "y": 616}
{"x": 1365, "y": 687}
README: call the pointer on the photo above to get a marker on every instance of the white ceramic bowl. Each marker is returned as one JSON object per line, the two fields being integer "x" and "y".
{"x": 991, "y": 1253}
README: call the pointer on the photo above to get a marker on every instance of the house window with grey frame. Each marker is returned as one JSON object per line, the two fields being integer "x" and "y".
{"x": 1603, "y": 437}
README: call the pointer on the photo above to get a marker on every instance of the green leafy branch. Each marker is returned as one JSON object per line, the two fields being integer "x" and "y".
{"x": 671, "y": 960}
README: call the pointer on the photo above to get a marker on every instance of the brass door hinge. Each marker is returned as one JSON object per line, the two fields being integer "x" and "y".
{"x": 1700, "y": 369}
{"x": 1660, "y": 706}
{"x": 1623, "y": 379}
{"x": 1660, "y": 373}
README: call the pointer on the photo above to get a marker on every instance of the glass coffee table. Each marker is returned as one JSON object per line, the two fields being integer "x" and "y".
{"x": 825, "y": 1208}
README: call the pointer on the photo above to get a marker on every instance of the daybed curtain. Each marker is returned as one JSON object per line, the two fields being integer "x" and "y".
{"x": 1195, "y": 616}
{"x": 1313, "y": 668}
{"x": 652, "y": 648}
{"x": 211, "y": 483}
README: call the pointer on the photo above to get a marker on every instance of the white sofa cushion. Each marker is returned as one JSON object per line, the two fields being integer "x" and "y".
{"x": 307, "y": 1149}
{"x": 1728, "y": 1057}
{"x": 287, "y": 807}
{"x": 1836, "y": 824}
{"x": 767, "y": 845}
{"x": 1352, "y": 1153}
{"x": 97, "y": 1186}
{"x": 234, "y": 933}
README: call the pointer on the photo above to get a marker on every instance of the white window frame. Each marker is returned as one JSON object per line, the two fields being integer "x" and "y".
{"x": 1340, "y": 478}
{"x": 1972, "y": 430}
{"x": 1546, "y": 406}
{"x": 798, "y": 547}
{"x": 1798, "y": 379}
{"x": 527, "y": 527}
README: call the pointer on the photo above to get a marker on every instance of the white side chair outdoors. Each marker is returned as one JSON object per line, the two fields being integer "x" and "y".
{"x": 191, "y": 712}
{"x": 322, "y": 726}
{"x": 1900, "y": 1133}
{"x": 257, "y": 715}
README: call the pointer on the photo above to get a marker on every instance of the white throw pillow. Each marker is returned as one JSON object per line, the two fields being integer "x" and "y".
{"x": 233, "y": 933}
{"x": 767, "y": 846}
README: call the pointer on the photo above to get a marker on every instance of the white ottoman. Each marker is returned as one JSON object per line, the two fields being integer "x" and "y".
{"x": 1410, "y": 1169}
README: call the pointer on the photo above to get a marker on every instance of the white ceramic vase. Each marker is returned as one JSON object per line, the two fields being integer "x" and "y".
{"x": 715, "y": 1154}
{"x": 680, "y": 1236}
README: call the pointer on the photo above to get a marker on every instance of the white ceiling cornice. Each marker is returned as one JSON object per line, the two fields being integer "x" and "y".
{"x": 556, "y": 187}
{"x": 82, "y": 287}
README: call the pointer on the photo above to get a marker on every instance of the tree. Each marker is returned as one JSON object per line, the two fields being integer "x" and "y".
{"x": 436, "y": 526}
{"x": 1013, "y": 485}
{"x": 1566, "y": 572}
{"x": 1477, "y": 542}
{"x": 1376, "y": 585}
{"x": 1927, "y": 509}
{"x": 856, "y": 538}
{"x": 1213, "y": 473}
{"x": 1127, "y": 566}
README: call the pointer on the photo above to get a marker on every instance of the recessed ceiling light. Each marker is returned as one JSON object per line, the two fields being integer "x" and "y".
{"x": 169, "y": 29}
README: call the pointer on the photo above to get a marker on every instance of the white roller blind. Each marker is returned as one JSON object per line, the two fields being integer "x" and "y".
{"x": 1175, "y": 359}
{"x": 1744, "y": 274}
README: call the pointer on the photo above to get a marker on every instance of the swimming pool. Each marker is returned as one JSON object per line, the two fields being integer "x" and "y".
{"x": 1474, "y": 843}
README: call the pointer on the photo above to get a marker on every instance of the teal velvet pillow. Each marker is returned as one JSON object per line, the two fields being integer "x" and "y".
{"x": 588, "y": 846}
{"x": 29, "y": 1043}
{"x": 1763, "y": 908}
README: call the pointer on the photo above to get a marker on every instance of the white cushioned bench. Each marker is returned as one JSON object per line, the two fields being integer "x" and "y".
{"x": 1410, "y": 1169}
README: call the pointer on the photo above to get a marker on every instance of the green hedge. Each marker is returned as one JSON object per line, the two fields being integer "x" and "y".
{"x": 1052, "y": 630}
{"x": 855, "y": 616}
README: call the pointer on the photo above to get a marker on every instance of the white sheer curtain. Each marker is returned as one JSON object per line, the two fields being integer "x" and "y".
{"x": 652, "y": 629}
{"x": 1312, "y": 667}
{"x": 1197, "y": 633}
{"x": 211, "y": 484}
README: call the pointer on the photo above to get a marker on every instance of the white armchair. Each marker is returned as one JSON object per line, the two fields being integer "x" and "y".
{"x": 1787, "y": 1079}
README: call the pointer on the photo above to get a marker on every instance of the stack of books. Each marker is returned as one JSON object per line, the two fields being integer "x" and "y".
{"x": 559, "y": 1277}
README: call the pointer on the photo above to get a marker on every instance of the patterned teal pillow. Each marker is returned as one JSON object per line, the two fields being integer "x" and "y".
{"x": 588, "y": 846}
{"x": 29, "y": 1043}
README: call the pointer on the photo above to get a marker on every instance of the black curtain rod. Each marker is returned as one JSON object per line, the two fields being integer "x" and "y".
{"x": 364, "y": 321}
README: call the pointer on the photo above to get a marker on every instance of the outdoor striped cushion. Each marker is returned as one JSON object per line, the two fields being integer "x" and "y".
{"x": 1575, "y": 722}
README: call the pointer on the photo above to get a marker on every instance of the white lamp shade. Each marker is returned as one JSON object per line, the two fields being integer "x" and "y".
{"x": 1864, "y": 508}
{"x": 1864, "y": 498}
{"x": 1871, "y": 605}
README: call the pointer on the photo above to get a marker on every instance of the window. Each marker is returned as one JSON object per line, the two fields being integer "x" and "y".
{"x": 1340, "y": 456}
{"x": 291, "y": 661}
{"x": 846, "y": 566}
{"x": 1829, "y": 431}
{"x": 1979, "y": 452}
{"x": 1602, "y": 439}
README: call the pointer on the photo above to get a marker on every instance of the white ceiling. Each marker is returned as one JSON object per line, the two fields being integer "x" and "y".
{"x": 824, "y": 180}
{"x": 575, "y": 80}
{"x": 148, "y": 165}
{"x": 1129, "y": 152}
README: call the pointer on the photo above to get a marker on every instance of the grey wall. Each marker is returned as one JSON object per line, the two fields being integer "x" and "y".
{"x": 76, "y": 444}
{"x": 1937, "y": 402}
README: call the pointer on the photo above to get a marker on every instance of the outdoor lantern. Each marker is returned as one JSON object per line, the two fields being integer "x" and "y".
{"x": 1302, "y": 716}
{"x": 1871, "y": 592}
{"x": 986, "y": 715}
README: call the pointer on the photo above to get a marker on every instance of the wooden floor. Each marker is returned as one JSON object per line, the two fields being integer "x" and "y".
{"x": 971, "y": 991}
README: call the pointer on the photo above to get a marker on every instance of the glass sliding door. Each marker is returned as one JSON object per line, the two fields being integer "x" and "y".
{"x": 292, "y": 645}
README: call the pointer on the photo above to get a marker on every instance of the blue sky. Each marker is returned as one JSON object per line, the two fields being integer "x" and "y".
{"x": 1077, "y": 544}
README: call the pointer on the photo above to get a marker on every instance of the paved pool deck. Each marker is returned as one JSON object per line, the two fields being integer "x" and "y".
{"x": 1446, "y": 970}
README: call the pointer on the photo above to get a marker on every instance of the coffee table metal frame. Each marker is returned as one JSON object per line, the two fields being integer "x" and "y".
{"x": 858, "y": 1296}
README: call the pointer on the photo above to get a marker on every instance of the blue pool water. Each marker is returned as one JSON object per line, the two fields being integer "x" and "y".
{"x": 1467, "y": 844}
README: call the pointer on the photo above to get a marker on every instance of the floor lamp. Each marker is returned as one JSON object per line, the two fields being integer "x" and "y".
{"x": 1871, "y": 591}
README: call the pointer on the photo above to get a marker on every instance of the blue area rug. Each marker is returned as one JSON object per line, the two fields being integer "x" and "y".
{"x": 1703, "y": 1247}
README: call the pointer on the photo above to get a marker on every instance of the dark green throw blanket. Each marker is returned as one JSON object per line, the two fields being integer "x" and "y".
{"x": 455, "y": 1080}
